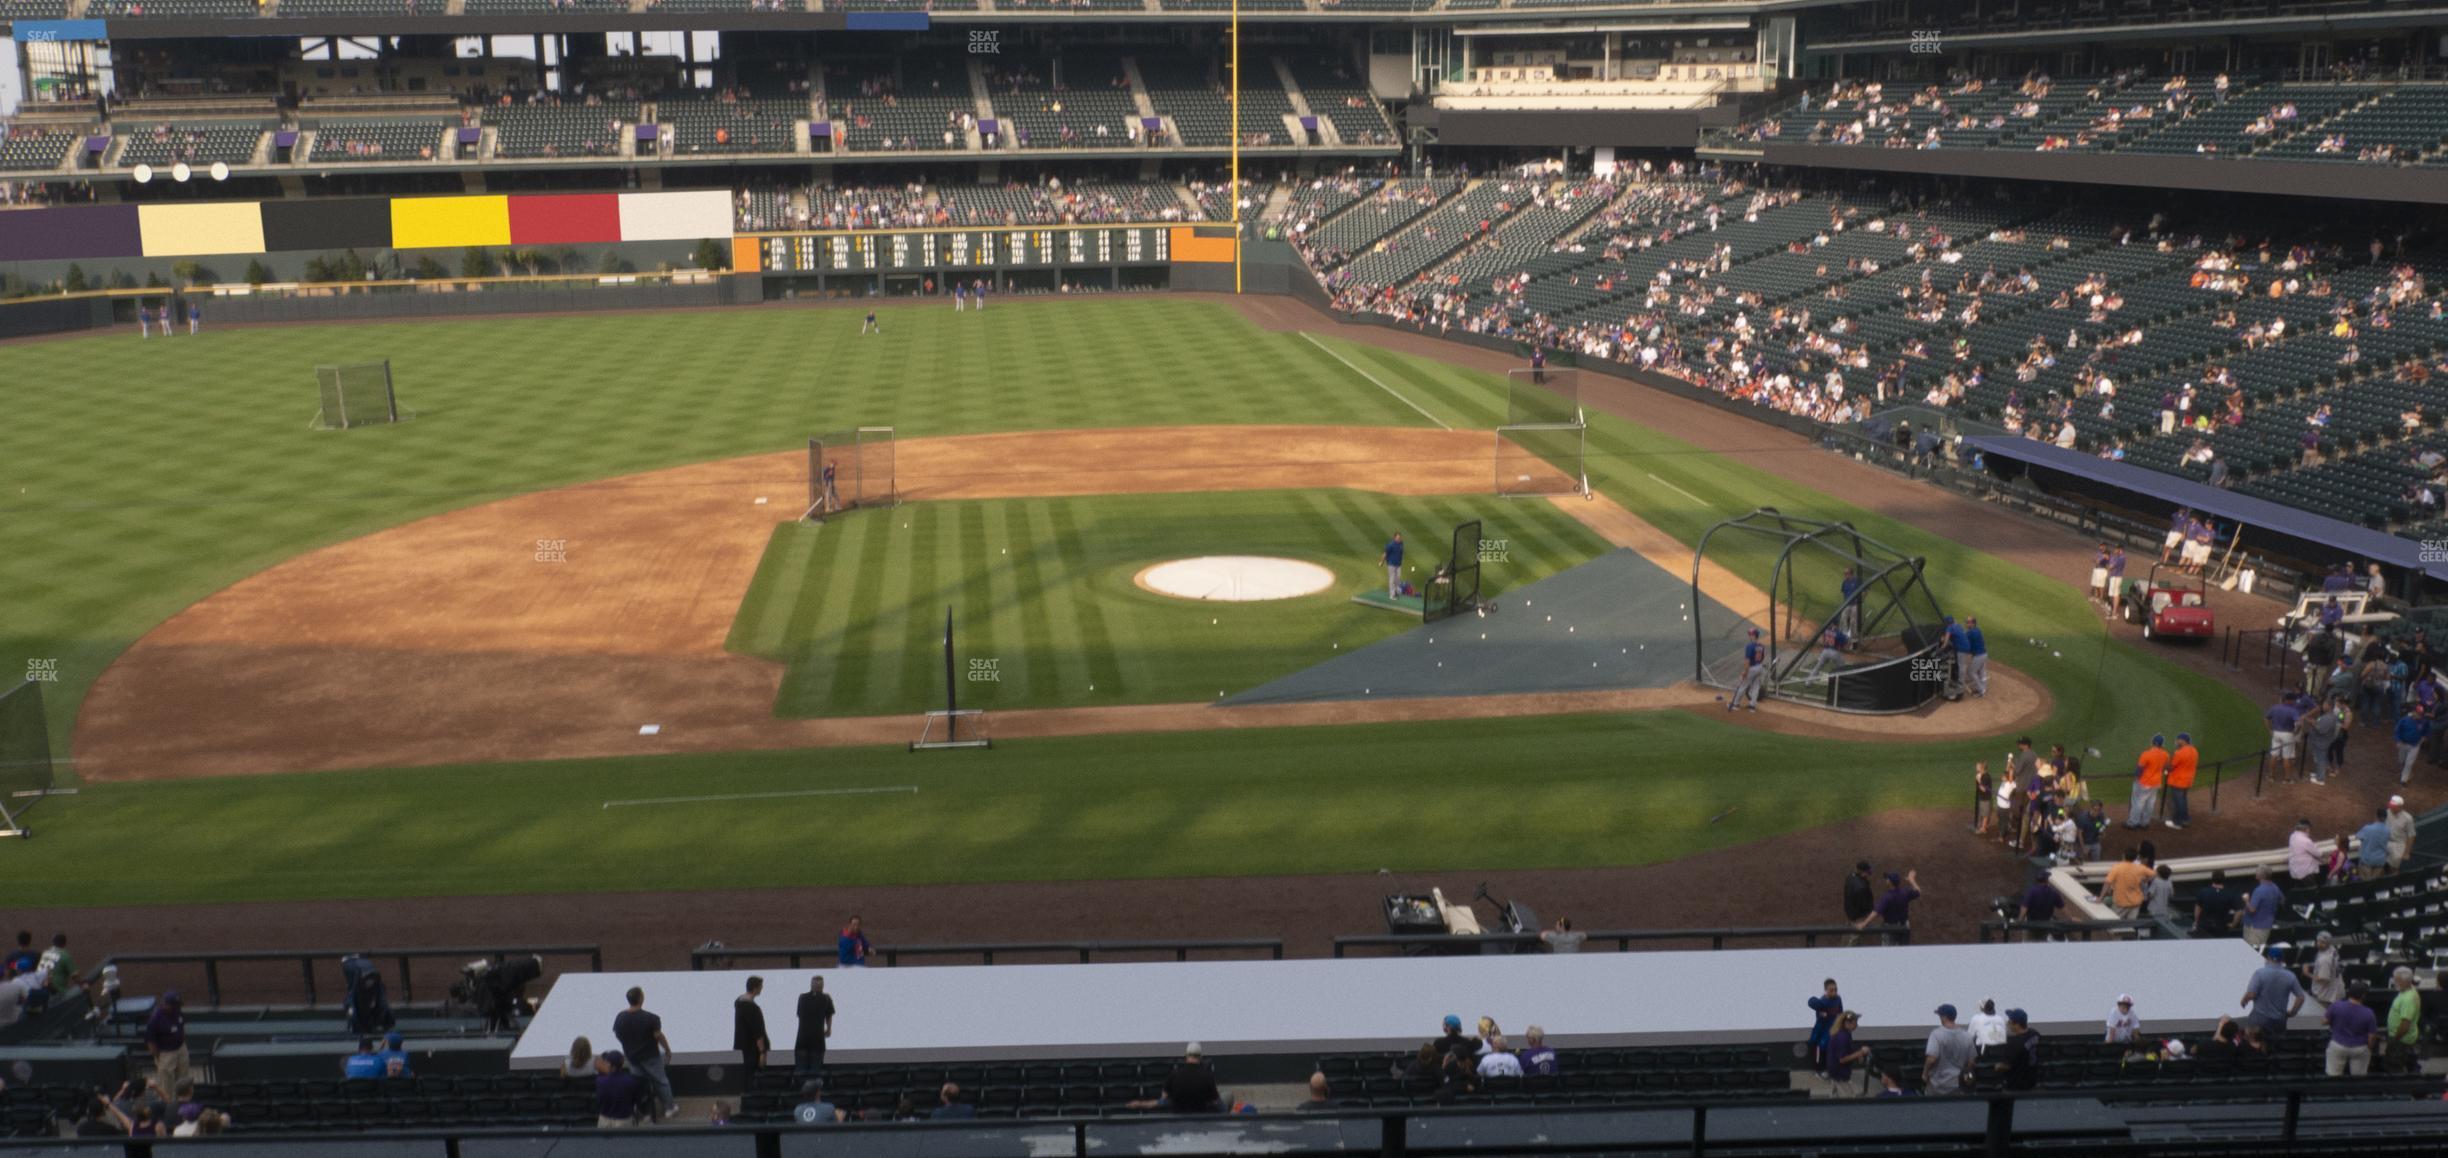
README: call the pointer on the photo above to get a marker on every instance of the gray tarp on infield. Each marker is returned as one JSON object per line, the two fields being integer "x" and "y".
{"x": 1613, "y": 622}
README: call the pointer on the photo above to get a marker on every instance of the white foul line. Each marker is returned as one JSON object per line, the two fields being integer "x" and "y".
{"x": 1330, "y": 352}
{"x": 1678, "y": 490}
{"x": 909, "y": 788}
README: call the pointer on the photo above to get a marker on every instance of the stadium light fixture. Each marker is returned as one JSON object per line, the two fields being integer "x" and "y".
{"x": 143, "y": 174}
{"x": 180, "y": 172}
{"x": 220, "y": 171}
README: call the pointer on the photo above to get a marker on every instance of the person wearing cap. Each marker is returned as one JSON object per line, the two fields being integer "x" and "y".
{"x": 165, "y": 1036}
{"x": 2372, "y": 846}
{"x": 2214, "y": 907}
{"x": 2303, "y": 853}
{"x": 2261, "y": 907}
{"x": 2150, "y": 771}
{"x": 2325, "y": 977}
{"x": 2401, "y": 832}
{"x": 2019, "y": 1058}
{"x": 618, "y": 1093}
{"x": 395, "y": 1056}
{"x": 1986, "y": 1025}
{"x": 1959, "y": 648}
{"x": 1754, "y": 675}
{"x": 1843, "y": 1056}
{"x": 2354, "y": 1031}
{"x": 1946, "y": 1059}
{"x": 1894, "y": 909}
{"x": 2123, "y": 1027}
{"x": 2272, "y": 996}
{"x": 1860, "y": 901}
{"x": 2183, "y": 764}
{"x": 1453, "y": 1041}
{"x": 1191, "y": 1087}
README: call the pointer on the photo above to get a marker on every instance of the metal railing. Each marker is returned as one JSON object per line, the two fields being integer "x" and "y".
{"x": 402, "y": 962}
{"x": 1648, "y": 1126}
{"x": 1623, "y": 939}
{"x": 796, "y": 957}
{"x": 2144, "y": 929}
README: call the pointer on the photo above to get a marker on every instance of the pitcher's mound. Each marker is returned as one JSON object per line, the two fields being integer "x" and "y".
{"x": 1235, "y": 578}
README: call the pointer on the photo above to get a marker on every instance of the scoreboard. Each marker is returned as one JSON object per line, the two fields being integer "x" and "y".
{"x": 1042, "y": 247}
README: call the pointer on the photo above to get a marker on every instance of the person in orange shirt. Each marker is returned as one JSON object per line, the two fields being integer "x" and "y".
{"x": 2150, "y": 769}
{"x": 2123, "y": 888}
{"x": 2181, "y": 766}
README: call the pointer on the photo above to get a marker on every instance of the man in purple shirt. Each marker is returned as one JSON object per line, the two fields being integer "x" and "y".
{"x": 2353, "y": 1030}
{"x": 1895, "y": 908}
{"x": 2282, "y": 717}
{"x": 166, "y": 1037}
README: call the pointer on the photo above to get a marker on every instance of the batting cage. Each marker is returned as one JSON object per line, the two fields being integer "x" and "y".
{"x": 1845, "y": 621}
{"x": 850, "y": 470}
{"x": 1540, "y": 448}
{"x": 357, "y": 394}
{"x": 1454, "y": 589}
{"x": 25, "y": 754}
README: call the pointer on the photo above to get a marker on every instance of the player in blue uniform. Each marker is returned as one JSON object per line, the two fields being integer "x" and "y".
{"x": 1755, "y": 675}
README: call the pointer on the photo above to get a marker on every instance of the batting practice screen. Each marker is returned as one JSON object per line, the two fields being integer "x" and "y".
{"x": 850, "y": 469}
{"x": 1458, "y": 593}
{"x": 1540, "y": 460}
{"x": 1548, "y": 396}
{"x": 355, "y": 394}
{"x": 25, "y": 746}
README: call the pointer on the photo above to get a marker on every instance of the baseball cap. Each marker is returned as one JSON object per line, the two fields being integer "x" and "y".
{"x": 1755, "y": 633}
{"x": 2275, "y": 953}
{"x": 2396, "y": 801}
{"x": 1452, "y": 1022}
{"x": 2303, "y": 822}
{"x": 394, "y": 1039}
{"x": 2017, "y": 1017}
{"x": 1895, "y": 878}
{"x": 2124, "y": 998}
{"x": 613, "y": 1058}
{"x": 1946, "y": 1013}
{"x": 1194, "y": 1049}
{"x": 2158, "y": 740}
{"x": 2184, "y": 737}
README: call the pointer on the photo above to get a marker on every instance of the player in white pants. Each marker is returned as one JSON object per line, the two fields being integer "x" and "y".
{"x": 1754, "y": 677}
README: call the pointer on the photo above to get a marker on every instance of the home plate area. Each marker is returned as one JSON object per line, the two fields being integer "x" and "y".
{"x": 1617, "y": 621}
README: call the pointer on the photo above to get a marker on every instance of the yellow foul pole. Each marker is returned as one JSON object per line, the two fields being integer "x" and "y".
{"x": 1233, "y": 189}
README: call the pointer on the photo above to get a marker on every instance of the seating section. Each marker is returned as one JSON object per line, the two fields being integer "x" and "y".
{"x": 1188, "y": 88}
{"x": 1088, "y": 109}
{"x": 368, "y": 141}
{"x": 33, "y": 9}
{"x": 551, "y": 130}
{"x": 1319, "y": 198}
{"x": 1459, "y": 221}
{"x": 27, "y": 148}
{"x": 1585, "y": 1077}
{"x": 759, "y": 209}
{"x": 543, "y": 7}
{"x": 1047, "y": 205}
{"x": 1530, "y": 233}
{"x": 1337, "y": 94}
{"x": 1388, "y": 208}
{"x": 197, "y": 143}
{"x": 2409, "y": 122}
{"x": 743, "y": 125}
{"x": 889, "y": 109}
{"x": 303, "y": 8}
{"x": 1071, "y": 1089}
{"x": 1226, "y": 5}
{"x": 170, "y": 9}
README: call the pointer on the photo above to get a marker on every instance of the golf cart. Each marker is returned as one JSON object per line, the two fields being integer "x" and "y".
{"x": 2170, "y": 603}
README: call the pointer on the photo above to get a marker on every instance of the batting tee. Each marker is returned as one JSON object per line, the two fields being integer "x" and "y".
{"x": 1894, "y": 657}
{"x": 862, "y": 462}
{"x": 357, "y": 394}
{"x": 1540, "y": 448}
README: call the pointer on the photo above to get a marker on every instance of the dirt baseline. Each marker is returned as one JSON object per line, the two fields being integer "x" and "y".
{"x": 553, "y": 625}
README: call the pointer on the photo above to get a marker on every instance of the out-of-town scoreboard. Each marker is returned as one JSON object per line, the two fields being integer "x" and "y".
{"x": 859, "y": 251}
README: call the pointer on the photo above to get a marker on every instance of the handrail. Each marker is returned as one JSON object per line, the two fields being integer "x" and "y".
{"x": 306, "y": 959}
{"x": 1225, "y": 1134}
{"x": 1623, "y": 938}
{"x": 2160, "y": 928}
{"x": 722, "y": 957}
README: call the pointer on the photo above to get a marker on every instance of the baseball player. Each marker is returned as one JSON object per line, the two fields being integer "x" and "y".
{"x": 1959, "y": 647}
{"x": 2177, "y": 525}
{"x": 1538, "y": 365}
{"x": 1830, "y": 654}
{"x": 195, "y": 317}
{"x": 2115, "y": 586}
{"x": 1975, "y": 657}
{"x": 1850, "y": 619}
{"x": 832, "y": 497}
{"x": 977, "y": 295}
{"x": 870, "y": 327}
{"x": 1755, "y": 674}
{"x": 960, "y": 297}
{"x": 1393, "y": 566}
{"x": 144, "y": 321}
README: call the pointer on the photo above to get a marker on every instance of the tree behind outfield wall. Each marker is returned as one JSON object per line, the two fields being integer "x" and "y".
{"x": 612, "y": 263}
{"x": 712, "y": 254}
{"x": 428, "y": 269}
{"x": 477, "y": 263}
{"x": 257, "y": 273}
{"x": 75, "y": 283}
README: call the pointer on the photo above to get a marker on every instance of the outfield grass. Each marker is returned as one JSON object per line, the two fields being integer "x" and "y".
{"x": 855, "y": 609}
{"x": 153, "y": 473}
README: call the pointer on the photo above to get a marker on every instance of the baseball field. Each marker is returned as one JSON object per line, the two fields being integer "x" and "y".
{"x": 298, "y": 664}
